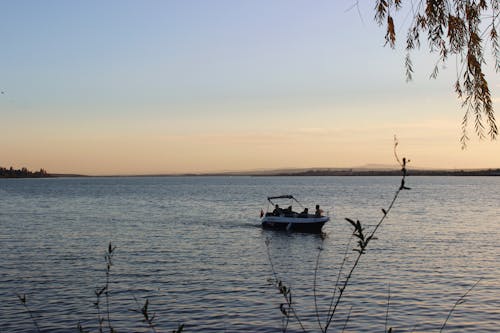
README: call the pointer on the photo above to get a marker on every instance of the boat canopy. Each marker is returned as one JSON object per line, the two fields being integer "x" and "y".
{"x": 281, "y": 197}
{"x": 286, "y": 196}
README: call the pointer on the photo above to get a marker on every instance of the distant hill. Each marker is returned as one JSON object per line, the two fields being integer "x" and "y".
{"x": 393, "y": 172}
{"x": 369, "y": 170}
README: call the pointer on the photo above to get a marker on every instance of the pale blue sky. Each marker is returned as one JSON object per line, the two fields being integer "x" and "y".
{"x": 186, "y": 86}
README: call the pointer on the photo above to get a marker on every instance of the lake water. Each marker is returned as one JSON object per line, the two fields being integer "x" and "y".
{"x": 194, "y": 248}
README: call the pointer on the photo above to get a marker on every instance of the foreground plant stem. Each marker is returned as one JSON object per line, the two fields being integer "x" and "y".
{"x": 363, "y": 240}
{"x": 287, "y": 308}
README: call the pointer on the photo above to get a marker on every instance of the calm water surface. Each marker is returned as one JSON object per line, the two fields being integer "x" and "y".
{"x": 194, "y": 248}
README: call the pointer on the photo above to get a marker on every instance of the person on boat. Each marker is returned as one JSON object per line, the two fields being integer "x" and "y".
{"x": 277, "y": 210}
{"x": 288, "y": 211}
{"x": 319, "y": 211}
{"x": 304, "y": 213}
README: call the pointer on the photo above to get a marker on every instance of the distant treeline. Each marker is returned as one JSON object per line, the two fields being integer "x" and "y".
{"x": 22, "y": 173}
{"x": 485, "y": 172}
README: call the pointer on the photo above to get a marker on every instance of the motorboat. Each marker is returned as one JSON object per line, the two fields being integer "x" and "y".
{"x": 287, "y": 219}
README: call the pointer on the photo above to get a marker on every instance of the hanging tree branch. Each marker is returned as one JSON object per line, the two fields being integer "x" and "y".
{"x": 454, "y": 27}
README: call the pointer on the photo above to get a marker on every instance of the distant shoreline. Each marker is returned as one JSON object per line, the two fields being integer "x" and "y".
{"x": 410, "y": 172}
{"x": 289, "y": 173}
{"x": 361, "y": 173}
{"x": 321, "y": 173}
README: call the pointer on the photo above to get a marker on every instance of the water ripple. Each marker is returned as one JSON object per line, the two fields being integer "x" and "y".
{"x": 193, "y": 247}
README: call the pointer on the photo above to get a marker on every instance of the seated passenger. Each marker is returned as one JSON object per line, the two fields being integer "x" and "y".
{"x": 277, "y": 210}
{"x": 305, "y": 213}
{"x": 319, "y": 211}
{"x": 288, "y": 211}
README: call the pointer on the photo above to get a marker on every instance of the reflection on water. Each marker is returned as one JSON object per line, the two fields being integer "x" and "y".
{"x": 194, "y": 248}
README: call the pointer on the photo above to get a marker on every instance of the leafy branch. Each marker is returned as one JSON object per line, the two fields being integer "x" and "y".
{"x": 453, "y": 27}
{"x": 363, "y": 240}
{"x": 287, "y": 309}
{"x": 104, "y": 290}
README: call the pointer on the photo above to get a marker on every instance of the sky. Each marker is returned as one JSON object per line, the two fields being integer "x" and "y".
{"x": 148, "y": 87}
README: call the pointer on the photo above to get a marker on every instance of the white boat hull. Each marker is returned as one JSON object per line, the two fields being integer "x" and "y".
{"x": 305, "y": 224}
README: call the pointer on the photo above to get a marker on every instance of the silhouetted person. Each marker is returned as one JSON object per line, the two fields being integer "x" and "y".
{"x": 319, "y": 211}
{"x": 277, "y": 210}
{"x": 305, "y": 213}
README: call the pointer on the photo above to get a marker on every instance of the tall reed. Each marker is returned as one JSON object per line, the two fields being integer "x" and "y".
{"x": 108, "y": 257}
{"x": 363, "y": 239}
{"x": 22, "y": 299}
{"x": 287, "y": 308}
{"x": 104, "y": 314}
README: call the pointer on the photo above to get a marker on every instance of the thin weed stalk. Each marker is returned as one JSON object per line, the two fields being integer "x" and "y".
{"x": 461, "y": 300}
{"x": 287, "y": 309}
{"x": 147, "y": 316}
{"x": 364, "y": 240}
{"x": 108, "y": 256}
{"x": 23, "y": 302}
{"x": 103, "y": 315}
{"x": 97, "y": 304}
{"x": 347, "y": 319}
{"x": 341, "y": 269}
{"x": 316, "y": 268}
{"x": 387, "y": 307}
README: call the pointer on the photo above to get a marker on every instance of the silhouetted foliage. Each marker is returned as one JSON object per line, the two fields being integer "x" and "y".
{"x": 345, "y": 273}
{"x": 22, "y": 173}
{"x": 103, "y": 315}
{"x": 344, "y": 276}
{"x": 453, "y": 27}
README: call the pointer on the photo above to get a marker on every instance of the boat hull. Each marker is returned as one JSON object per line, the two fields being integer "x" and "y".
{"x": 310, "y": 224}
